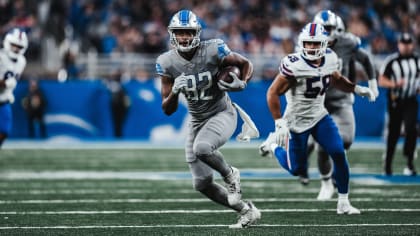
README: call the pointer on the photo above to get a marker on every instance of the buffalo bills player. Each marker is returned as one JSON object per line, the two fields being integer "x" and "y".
{"x": 339, "y": 104}
{"x": 304, "y": 78}
{"x": 190, "y": 69}
{"x": 12, "y": 64}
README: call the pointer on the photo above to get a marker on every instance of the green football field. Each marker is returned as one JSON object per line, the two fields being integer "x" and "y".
{"x": 148, "y": 191}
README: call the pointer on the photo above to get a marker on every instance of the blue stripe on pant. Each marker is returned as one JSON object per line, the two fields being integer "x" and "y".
{"x": 325, "y": 132}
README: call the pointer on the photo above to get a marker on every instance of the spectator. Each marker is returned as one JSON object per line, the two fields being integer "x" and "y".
{"x": 34, "y": 104}
{"x": 403, "y": 81}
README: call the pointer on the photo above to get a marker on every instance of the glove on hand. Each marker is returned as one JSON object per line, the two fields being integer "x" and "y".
{"x": 282, "y": 131}
{"x": 365, "y": 92}
{"x": 236, "y": 85}
{"x": 180, "y": 83}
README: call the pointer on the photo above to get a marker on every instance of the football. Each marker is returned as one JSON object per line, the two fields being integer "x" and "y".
{"x": 224, "y": 73}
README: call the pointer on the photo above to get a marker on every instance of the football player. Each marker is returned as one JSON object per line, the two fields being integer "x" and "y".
{"x": 190, "y": 69}
{"x": 304, "y": 78}
{"x": 339, "y": 104}
{"x": 12, "y": 64}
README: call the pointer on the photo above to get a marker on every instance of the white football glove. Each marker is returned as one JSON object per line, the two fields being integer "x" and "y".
{"x": 236, "y": 85}
{"x": 365, "y": 92}
{"x": 282, "y": 131}
{"x": 180, "y": 83}
{"x": 373, "y": 85}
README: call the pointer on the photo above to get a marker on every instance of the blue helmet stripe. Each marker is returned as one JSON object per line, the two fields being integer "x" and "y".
{"x": 312, "y": 30}
{"x": 184, "y": 17}
{"x": 159, "y": 69}
{"x": 324, "y": 15}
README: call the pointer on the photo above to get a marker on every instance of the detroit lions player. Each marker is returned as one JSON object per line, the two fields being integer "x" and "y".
{"x": 304, "y": 78}
{"x": 338, "y": 103}
{"x": 190, "y": 68}
{"x": 12, "y": 64}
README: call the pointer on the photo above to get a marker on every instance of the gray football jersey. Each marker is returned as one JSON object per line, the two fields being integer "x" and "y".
{"x": 305, "y": 99}
{"x": 203, "y": 95}
{"x": 345, "y": 47}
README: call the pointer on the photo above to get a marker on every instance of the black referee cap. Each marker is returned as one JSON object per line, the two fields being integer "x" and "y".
{"x": 405, "y": 38}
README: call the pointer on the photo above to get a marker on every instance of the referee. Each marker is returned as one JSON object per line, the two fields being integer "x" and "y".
{"x": 400, "y": 74}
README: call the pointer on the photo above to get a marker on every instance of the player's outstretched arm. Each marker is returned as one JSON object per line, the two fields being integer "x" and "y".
{"x": 169, "y": 98}
{"x": 341, "y": 82}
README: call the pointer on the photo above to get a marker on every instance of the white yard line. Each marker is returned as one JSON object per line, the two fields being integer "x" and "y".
{"x": 198, "y": 226}
{"x": 203, "y": 211}
{"x": 190, "y": 200}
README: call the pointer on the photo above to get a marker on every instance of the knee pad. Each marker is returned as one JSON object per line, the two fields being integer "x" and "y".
{"x": 200, "y": 184}
{"x": 202, "y": 149}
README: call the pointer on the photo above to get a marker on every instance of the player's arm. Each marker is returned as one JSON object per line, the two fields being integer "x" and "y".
{"x": 344, "y": 84}
{"x": 363, "y": 57}
{"x": 279, "y": 86}
{"x": 9, "y": 83}
{"x": 341, "y": 82}
{"x": 169, "y": 99}
{"x": 236, "y": 59}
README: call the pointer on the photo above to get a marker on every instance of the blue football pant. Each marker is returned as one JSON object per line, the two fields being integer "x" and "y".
{"x": 325, "y": 132}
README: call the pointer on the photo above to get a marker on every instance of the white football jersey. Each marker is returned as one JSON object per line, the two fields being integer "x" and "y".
{"x": 305, "y": 98}
{"x": 10, "y": 69}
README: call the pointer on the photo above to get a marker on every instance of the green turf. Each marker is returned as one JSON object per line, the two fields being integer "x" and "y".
{"x": 127, "y": 206}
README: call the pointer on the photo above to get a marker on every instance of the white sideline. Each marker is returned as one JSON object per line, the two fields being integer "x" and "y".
{"x": 371, "y": 143}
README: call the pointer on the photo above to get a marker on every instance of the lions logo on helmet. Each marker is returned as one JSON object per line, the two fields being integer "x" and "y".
{"x": 185, "y": 20}
{"x": 15, "y": 43}
{"x": 313, "y": 33}
{"x": 329, "y": 20}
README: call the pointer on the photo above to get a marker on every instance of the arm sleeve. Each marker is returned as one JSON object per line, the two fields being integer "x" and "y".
{"x": 365, "y": 59}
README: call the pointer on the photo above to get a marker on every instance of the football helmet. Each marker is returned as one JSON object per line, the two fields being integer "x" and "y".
{"x": 341, "y": 28}
{"x": 313, "y": 32}
{"x": 185, "y": 20}
{"x": 329, "y": 20}
{"x": 15, "y": 43}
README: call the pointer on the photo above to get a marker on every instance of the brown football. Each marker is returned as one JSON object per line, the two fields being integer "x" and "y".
{"x": 224, "y": 73}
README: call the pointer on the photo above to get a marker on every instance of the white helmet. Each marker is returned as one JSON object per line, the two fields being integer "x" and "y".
{"x": 185, "y": 20}
{"x": 15, "y": 43}
{"x": 313, "y": 32}
{"x": 329, "y": 20}
{"x": 341, "y": 28}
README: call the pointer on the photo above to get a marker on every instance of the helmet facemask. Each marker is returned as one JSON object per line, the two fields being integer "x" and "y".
{"x": 314, "y": 33}
{"x": 184, "y": 21}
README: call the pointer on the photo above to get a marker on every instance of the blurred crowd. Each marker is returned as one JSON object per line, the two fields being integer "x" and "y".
{"x": 254, "y": 27}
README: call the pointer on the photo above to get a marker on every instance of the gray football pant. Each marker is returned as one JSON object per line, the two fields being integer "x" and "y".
{"x": 203, "y": 157}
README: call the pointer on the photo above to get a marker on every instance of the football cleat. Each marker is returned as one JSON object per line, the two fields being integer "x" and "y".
{"x": 327, "y": 190}
{"x": 344, "y": 207}
{"x": 265, "y": 147}
{"x": 409, "y": 172}
{"x": 233, "y": 185}
{"x": 304, "y": 178}
{"x": 248, "y": 218}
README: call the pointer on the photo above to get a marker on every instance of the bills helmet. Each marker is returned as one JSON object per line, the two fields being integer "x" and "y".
{"x": 15, "y": 43}
{"x": 313, "y": 33}
{"x": 185, "y": 20}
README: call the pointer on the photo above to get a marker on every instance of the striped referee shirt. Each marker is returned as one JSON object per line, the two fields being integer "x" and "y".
{"x": 397, "y": 68}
